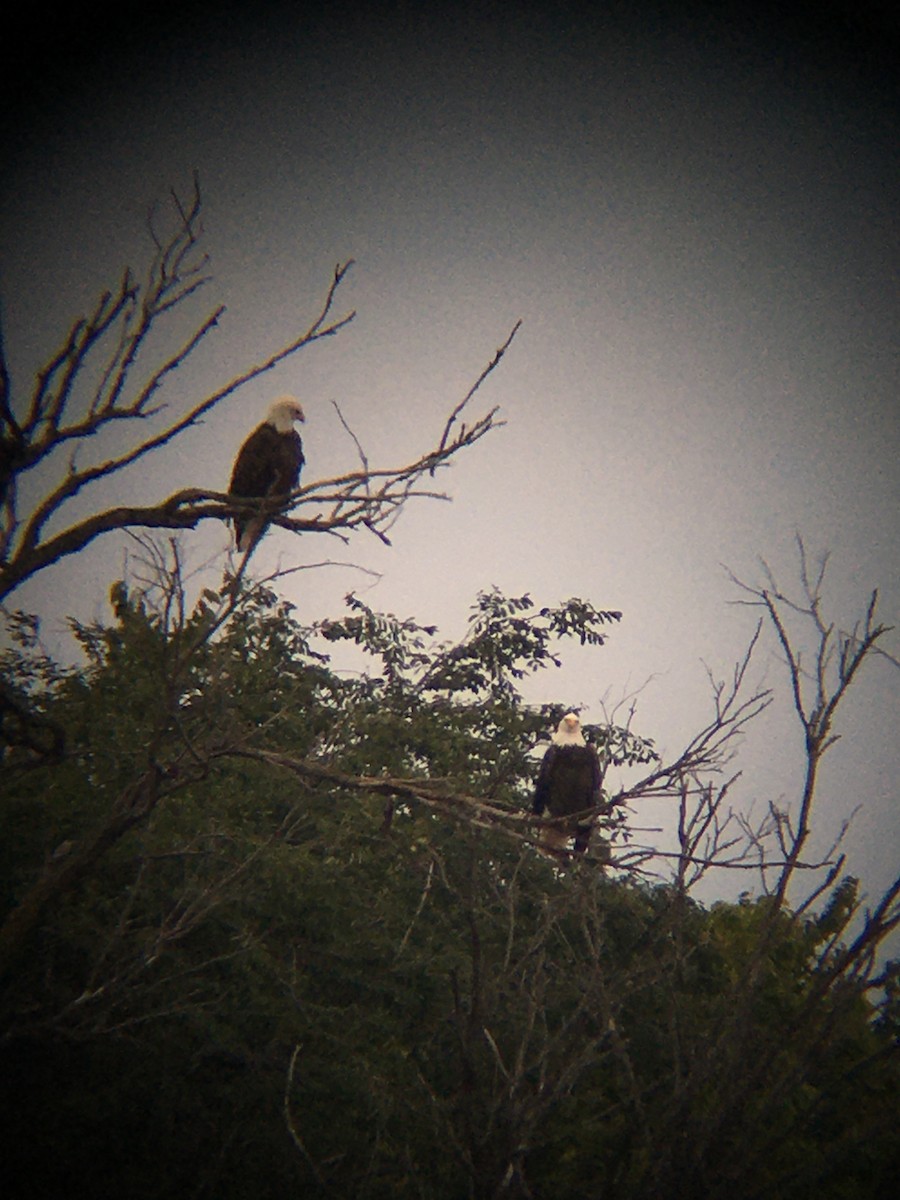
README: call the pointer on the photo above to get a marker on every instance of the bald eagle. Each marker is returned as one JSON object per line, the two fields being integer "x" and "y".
{"x": 568, "y": 782}
{"x": 268, "y": 464}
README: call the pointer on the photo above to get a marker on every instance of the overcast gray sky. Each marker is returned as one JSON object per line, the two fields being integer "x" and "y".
{"x": 696, "y": 218}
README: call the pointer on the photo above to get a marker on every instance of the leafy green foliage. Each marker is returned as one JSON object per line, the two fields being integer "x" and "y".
{"x": 275, "y": 984}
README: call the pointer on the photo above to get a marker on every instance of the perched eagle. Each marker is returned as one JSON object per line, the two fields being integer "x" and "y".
{"x": 268, "y": 464}
{"x": 568, "y": 782}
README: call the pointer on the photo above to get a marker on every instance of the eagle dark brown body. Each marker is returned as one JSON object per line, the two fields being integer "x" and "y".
{"x": 268, "y": 464}
{"x": 569, "y": 782}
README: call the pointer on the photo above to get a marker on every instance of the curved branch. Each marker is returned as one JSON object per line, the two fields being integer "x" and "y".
{"x": 342, "y": 503}
{"x": 76, "y": 398}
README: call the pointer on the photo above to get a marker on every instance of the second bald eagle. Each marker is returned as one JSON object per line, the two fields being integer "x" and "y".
{"x": 267, "y": 465}
{"x": 568, "y": 785}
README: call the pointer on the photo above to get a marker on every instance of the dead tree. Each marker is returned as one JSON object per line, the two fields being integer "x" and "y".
{"x": 99, "y": 381}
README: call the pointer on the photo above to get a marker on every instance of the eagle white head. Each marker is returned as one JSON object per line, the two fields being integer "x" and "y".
{"x": 568, "y": 731}
{"x": 284, "y": 412}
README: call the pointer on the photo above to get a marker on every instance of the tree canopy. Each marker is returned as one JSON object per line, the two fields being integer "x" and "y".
{"x": 320, "y": 950}
{"x": 268, "y": 927}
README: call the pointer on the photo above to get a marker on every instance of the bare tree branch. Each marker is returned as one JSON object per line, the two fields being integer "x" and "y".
{"x": 66, "y": 410}
{"x": 713, "y": 747}
{"x": 816, "y": 691}
{"x": 451, "y": 420}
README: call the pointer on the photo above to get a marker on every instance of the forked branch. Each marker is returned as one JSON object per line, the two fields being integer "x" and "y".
{"x": 99, "y": 379}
